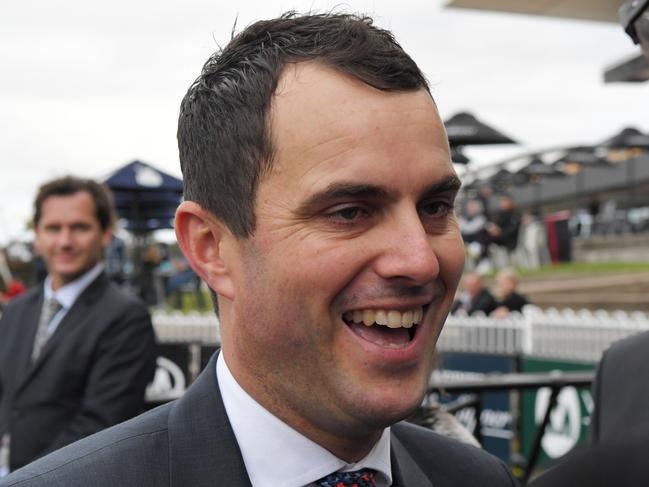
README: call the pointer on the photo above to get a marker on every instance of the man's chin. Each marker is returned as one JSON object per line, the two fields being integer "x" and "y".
{"x": 67, "y": 274}
{"x": 380, "y": 415}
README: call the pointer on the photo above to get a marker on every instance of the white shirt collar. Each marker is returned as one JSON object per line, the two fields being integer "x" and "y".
{"x": 68, "y": 294}
{"x": 264, "y": 440}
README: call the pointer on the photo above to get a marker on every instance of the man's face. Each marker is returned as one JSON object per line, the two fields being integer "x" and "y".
{"x": 472, "y": 284}
{"x": 354, "y": 227}
{"x": 69, "y": 236}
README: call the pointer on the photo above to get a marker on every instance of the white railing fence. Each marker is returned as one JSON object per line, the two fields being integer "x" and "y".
{"x": 579, "y": 335}
{"x": 558, "y": 334}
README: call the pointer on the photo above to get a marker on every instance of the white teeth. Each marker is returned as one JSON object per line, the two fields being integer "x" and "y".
{"x": 381, "y": 317}
{"x": 419, "y": 314}
{"x": 406, "y": 319}
{"x": 368, "y": 317}
{"x": 390, "y": 318}
{"x": 394, "y": 319}
{"x": 358, "y": 316}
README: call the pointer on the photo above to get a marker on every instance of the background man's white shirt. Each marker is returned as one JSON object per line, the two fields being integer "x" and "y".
{"x": 68, "y": 294}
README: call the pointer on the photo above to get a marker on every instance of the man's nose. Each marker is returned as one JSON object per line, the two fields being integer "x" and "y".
{"x": 65, "y": 237}
{"x": 407, "y": 250}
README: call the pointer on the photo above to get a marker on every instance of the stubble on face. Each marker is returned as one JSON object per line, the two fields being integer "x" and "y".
{"x": 342, "y": 146}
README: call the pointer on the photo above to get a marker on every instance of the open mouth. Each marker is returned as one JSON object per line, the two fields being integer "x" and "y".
{"x": 385, "y": 328}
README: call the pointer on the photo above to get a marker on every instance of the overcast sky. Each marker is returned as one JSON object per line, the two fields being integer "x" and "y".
{"x": 86, "y": 86}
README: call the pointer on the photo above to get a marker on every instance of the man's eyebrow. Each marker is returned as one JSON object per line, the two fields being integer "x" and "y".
{"x": 353, "y": 191}
{"x": 341, "y": 191}
{"x": 451, "y": 183}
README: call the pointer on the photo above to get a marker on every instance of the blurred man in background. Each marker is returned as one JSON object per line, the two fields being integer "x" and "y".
{"x": 76, "y": 352}
{"x": 475, "y": 298}
{"x": 506, "y": 292}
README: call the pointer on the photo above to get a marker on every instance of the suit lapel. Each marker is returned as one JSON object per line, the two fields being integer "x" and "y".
{"x": 203, "y": 451}
{"x": 405, "y": 472}
{"x": 74, "y": 318}
{"x": 25, "y": 341}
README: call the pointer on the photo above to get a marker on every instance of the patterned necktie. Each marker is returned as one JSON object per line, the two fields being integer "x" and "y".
{"x": 358, "y": 478}
{"x": 50, "y": 307}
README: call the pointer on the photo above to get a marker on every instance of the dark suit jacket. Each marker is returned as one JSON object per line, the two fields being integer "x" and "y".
{"x": 190, "y": 443}
{"x": 484, "y": 302}
{"x": 514, "y": 301}
{"x": 91, "y": 373}
{"x": 621, "y": 390}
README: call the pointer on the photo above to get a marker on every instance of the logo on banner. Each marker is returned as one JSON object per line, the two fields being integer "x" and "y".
{"x": 168, "y": 382}
{"x": 564, "y": 427}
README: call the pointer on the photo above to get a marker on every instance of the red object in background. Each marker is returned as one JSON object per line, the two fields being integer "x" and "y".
{"x": 15, "y": 288}
{"x": 558, "y": 235}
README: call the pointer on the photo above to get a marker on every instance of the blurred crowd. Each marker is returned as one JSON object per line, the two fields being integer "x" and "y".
{"x": 497, "y": 234}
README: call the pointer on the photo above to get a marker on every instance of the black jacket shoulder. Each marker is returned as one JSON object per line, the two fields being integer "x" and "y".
{"x": 449, "y": 462}
{"x": 116, "y": 456}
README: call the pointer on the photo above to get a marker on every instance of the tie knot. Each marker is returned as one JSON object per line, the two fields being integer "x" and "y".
{"x": 52, "y": 305}
{"x": 357, "y": 478}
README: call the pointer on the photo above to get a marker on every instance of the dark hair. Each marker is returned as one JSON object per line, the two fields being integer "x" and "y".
{"x": 70, "y": 185}
{"x": 223, "y": 131}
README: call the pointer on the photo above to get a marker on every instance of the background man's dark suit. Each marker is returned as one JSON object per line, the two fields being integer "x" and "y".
{"x": 190, "y": 443}
{"x": 621, "y": 390}
{"x": 91, "y": 374}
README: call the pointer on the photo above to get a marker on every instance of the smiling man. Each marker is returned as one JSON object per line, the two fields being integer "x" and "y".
{"x": 318, "y": 207}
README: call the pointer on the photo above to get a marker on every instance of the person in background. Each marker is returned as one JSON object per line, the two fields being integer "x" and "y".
{"x": 76, "y": 352}
{"x": 532, "y": 248}
{"x": 503, "y": 230}
{"x": 475, "y": 298}
{"x": 116, "y": 258}
{"x": 509, "y": 299}
{"x": 149, "y": 284}
{"x": 473, "y": 226}
{"x": 318, "y": 208}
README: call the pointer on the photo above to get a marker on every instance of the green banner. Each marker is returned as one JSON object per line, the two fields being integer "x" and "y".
{"x": 570, "y": 419}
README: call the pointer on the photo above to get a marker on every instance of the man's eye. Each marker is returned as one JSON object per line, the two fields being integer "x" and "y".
{"x": 436, "y": 209}
{"x": 348, "y": 213}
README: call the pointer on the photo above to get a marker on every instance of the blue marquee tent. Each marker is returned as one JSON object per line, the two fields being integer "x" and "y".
{"x": 145, "y": 197}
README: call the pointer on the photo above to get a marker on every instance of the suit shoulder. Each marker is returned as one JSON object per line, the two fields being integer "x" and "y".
{"x": 448, "y": 461}
{"x": 129, "y": 453}
{"x": 23, "y": 300}
{"x": 638, "y": 342}
{"x": 119, "y": 295}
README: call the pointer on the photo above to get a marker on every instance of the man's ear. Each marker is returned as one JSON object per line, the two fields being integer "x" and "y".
{"x": 200, "y": 236}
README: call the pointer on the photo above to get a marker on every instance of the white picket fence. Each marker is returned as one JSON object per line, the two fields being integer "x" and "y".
{"x": 193, "y": 327}
{"x": 557, "y": 334}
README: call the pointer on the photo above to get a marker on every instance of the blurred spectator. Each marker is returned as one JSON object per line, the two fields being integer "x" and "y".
{"x": 532, "y": 248}
{"x": 485, "y": 196}
{"x": 148, "y": 285}
{"x": 76, "y": 352}
{"x": 475, "y": 297}
{"x": 508, "y": 298}
{"x": 184, "y": 279}
{"x": 503, "y": 231}
{"x": 473, "y": 226}
{"x": 116, "y": 256}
